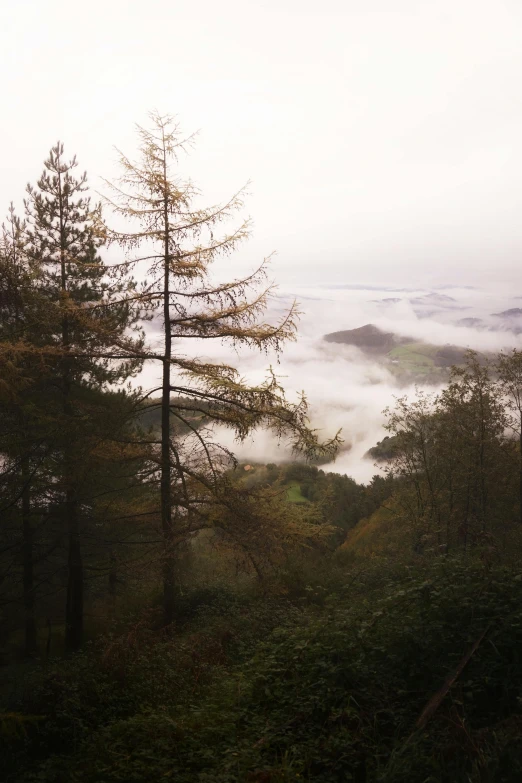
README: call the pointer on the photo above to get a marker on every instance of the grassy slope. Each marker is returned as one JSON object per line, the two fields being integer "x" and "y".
{"x": 259, "y": 476}
{"x": 293, "y": 493}
{"x": 415, "y": 357}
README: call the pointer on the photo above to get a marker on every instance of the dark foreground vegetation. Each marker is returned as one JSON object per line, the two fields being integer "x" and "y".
{"x": 169, "y": 614}
{"x": 327, "y": 678}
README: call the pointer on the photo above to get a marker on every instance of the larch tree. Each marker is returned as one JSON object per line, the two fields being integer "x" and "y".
{"x": 174, "y": 241}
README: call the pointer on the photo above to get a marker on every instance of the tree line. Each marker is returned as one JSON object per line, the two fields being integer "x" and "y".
{"x": 456, "y": 457}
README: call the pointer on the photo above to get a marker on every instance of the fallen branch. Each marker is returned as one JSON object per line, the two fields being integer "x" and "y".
{"x": 436, "y": 700}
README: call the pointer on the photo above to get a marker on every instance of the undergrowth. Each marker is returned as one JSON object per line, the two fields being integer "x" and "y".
{"x": 282, "y": 688}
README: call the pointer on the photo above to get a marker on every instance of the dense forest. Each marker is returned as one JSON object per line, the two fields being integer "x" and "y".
{"x": 168, "y": 613}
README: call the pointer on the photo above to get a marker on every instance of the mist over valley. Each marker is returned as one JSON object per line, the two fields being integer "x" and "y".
{"x": 358, "y": 347}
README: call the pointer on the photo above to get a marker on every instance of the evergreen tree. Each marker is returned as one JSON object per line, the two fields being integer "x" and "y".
{"x": 23, "y": 376}
{"x": 86, "y": 320}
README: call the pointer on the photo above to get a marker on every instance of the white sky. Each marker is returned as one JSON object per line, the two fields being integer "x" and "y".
{"x": 383, "y": 137}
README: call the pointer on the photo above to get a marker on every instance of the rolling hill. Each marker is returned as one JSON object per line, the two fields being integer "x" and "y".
{"x": 404, "y": 357}
{"x": 368, "y": 338}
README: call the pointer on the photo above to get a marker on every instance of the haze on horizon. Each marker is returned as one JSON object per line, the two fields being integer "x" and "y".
{"x": 382, "y": 137}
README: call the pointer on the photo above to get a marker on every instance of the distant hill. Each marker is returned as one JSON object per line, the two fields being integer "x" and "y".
{"x": 471, "y": 322}
{"x": 425, "y": 304}
{"x": 368, "y": 338}
{"x": 405, "y": 358}
{"x": 514, "y": 312}
{"x": 507, "y": 321}
{"x": 449, "y": 355}
{"x": 384, "y": 450}
{"x": 433, "y": 299}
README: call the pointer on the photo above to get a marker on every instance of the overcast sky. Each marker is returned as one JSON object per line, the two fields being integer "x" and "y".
{"x": 383, "y": 138}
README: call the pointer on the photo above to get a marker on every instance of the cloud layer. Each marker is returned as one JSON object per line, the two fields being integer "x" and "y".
{"x": 345, "y": 388}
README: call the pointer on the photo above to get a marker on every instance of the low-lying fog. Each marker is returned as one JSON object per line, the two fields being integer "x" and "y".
{"x": 347, "y": 389}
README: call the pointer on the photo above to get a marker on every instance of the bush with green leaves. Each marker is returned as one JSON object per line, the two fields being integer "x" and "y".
{"x": 333, "y": 694}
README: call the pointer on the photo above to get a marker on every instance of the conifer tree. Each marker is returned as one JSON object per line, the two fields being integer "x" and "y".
{"x": 85, "y": 319}
{"x": 16, "y": 323}
{"x": 177, "y": 241}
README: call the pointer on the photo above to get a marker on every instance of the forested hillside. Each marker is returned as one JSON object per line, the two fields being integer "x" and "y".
{"x": 169, "y": 613}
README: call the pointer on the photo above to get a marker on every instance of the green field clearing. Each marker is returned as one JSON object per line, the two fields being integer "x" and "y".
{"x": 293, "y": 493}
{"x": 415, "y": 357}
{"x": 421, "y": 349}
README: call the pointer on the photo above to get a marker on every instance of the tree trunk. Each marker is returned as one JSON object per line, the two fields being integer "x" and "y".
{"x": 28, "y": 560}
{"x": 520, "y": 476}
{"x": 113, "y": 576}
{"x": 166, "y": 500}
{"x": 166, "y": 510}
{"x": 74, "y": 605}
